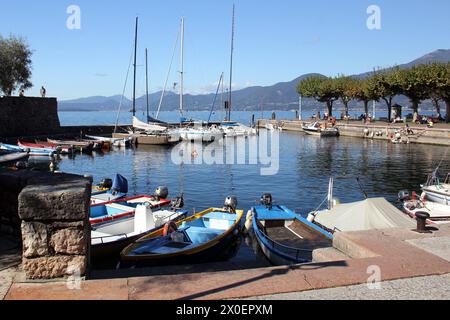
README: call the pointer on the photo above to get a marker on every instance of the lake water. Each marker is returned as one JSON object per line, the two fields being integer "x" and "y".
{"x": 305, "y": 165}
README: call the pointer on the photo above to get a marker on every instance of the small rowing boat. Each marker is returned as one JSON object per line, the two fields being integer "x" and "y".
{"x": 31, "y": 152}
{"x": 108, "y": 239}
{"x": 80, "y": 146}
{"x": 59, "y": 149}
{"x": 10, "y": 158}
{"x": 122, "y": 208}
{"x": 285, "y": 237}
{"x": 211, "y": 235}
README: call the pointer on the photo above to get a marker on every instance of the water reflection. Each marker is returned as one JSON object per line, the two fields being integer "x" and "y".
{"x": 306, "y": 163}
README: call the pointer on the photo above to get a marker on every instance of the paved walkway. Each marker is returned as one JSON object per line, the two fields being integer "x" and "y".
{"x": 390, "y": 251}
{"x": 423, "y": 288}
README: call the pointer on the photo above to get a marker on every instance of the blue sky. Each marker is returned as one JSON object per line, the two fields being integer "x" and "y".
{"x": 275, "y": 40}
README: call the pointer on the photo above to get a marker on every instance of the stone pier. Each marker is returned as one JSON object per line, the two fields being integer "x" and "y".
{"x": 50, "y": 218}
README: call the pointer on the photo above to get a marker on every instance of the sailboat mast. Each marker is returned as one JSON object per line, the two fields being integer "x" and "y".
{"x": 231, "y": 69}
{"x": 182, "y": 67}
{"x": 135, "y": 57}
{"x": 146, "y": 80}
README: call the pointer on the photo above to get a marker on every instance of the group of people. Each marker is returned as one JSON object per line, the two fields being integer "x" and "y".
{"x": 43, "y": 92}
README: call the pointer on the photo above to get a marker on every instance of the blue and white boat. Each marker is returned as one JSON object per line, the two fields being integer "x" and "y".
{"x": 109, "y": 190}
{"x": 31, "y": 151}
{"x": 211, "y": 235}
{"x": 10, "y": 158}
{"x": 284, "y": 237}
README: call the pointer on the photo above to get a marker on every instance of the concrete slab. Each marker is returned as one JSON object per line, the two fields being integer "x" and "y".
{"x": 436, "y": 246}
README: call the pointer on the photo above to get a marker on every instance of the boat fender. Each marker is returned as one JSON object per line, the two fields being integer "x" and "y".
{"x": 169, "y": 227}
{"x": 249, "y": 220}
{"x": 311, "y": 217}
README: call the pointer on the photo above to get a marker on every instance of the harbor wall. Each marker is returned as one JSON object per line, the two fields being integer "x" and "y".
{"x": 50, "y": 214}
{"x": 376, "y": 131}
{"x": 28, "y": 116}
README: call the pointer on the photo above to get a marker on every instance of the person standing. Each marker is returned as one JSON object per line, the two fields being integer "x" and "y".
{"x": 43, "y": 92}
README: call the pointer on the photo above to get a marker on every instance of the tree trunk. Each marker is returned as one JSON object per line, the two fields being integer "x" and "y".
{"x": 437, "y": 106}
{"x": 346, "y": 108}
{"x": 415, "y": 106}
{"x": 389, "y": 106}
{"x": 330, "y": 108}
{"x": 447, "y": 116}
{"x": 366, "y": 108}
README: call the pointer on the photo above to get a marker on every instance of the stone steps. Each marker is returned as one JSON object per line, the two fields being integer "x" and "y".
{"x": 328, "y": 255}
{"x": 344, "y": 243}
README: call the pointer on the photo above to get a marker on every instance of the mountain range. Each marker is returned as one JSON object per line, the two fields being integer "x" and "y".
{"x": 281, "y": 96}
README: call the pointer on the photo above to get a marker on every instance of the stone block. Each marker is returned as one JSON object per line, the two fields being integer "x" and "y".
{"x": 54, "y": 267}
{"x": 69, "y": 241}
{"x": 34, "y": 239}
{"x": 57, "y": 197}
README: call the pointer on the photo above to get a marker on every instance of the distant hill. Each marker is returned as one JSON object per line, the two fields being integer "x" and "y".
{"x": 281, "y": 96}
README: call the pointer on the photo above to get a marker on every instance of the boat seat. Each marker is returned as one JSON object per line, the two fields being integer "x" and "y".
{"x": 202, "y": 235}
{"x": 120, "y": 207}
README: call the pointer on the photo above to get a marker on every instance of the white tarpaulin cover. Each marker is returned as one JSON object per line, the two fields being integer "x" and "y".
{"x": 376, "y": 213}
{"x": 138, "y": 124}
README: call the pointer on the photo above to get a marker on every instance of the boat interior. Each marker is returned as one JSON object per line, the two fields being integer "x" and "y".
{"x": 190, "y": 234}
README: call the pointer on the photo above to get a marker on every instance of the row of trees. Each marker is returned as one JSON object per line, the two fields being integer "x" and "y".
{"x": 419, "y": 83}
{"x": 15, "y": 65}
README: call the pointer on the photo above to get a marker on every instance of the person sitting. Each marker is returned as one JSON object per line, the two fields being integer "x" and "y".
{"x": 22, "y": 93}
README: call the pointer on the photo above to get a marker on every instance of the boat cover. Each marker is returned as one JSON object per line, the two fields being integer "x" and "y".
{"x": 120, "y": 184}
{"x": 138, "y": 124}
{"x": 370, "y": 214}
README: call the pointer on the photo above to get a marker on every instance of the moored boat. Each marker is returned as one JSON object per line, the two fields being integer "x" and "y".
{"x": 317, "y": 129}
{"x": 10, "y": 158}
{"x": 108, "y": 239}
{"x": 80, "y": 146}
{"x": 210, "y": 235}
{"x": 31, "y": 152}
{"x": 285, "y": 237}
{"x": 439, "y": 213}
{"x": 436, "y": 191}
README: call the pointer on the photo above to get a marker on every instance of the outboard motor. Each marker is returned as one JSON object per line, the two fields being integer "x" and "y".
{"x": 231, "y": 204}
{"x": 106, "y": 183}
{"x": 161, "y": 193}
{"x": 404, "y": 195}
{"x": 177, "y": 203}
{"x": 267, "y": 200}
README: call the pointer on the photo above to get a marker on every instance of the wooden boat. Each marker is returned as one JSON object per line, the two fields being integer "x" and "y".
{"x": 109, "y": 239}
{"x": 122, "y": 208}
{"x": 207, "y": 236}
{"x": 59, "y": 149}
{"x": 31, "y": 152}
{"x": 284, "y": 237}
{"x": 10, "y": 158}
{"x": 80, "y": 146}
{"x": 320, "y": 130}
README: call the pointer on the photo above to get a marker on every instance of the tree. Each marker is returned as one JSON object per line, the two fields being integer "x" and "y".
{"x": 346, "y": 88}
{"x": 385, "y": 85}
{"x": 437, "y": 84}
{"x": 15, "y": 65}
{"x": 413, "y": 84}
{"x": 320, "y": 88}
{"x": 365, "y": 92}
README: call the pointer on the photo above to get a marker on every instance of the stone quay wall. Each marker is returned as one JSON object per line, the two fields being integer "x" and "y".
{"x": 28, "y": 116}
{"x": 51, "y": 211}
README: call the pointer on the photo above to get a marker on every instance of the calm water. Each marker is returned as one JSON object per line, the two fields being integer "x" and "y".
{"x": 306, "y": 163}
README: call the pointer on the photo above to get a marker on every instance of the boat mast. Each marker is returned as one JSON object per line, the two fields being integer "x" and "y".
{"x": 231, "y": 68}
{"x": 135, "y": 57}
{"x": 182, "y": 67}
{"x": 146, "y": 80}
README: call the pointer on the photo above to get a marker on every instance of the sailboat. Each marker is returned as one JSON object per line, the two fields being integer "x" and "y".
{"x": 232, "y": 128}
{"x": 143, "y": 132}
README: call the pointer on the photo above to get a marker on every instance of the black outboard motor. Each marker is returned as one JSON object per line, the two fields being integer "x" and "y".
{"x": 267, "y": 200}
{"x": 231, "y": 204}
{"x": 177, "y": 203}
{"x": 106, "y": 184}
{"x": 161, "y": 193}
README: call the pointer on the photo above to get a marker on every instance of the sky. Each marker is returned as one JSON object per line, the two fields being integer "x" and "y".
{"x": 275, "y": 41}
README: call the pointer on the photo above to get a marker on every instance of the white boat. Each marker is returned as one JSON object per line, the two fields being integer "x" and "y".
{"x": 235, "y": 129}
{"x": 439, "y": 213}
{"x": 199, "y": 133}
{"x": 107, "y": 240}
{"x": 148, "y": 127}
{"x": 273, "y": 127}
{"x": 435, "y": 191}
{"x": 317, "y": 129}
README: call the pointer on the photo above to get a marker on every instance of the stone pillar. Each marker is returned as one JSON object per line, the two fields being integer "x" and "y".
{"x": 54, "y": 210}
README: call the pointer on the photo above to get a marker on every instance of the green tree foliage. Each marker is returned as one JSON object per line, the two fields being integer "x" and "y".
{"x": 436, "y": 77}
{"x": 15, "y": 65}
{"x": 366, "y": 91}
{"x": 321, "y": 88}
{"x": 346, "y": 88}
{"x": 413, "y": 84}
